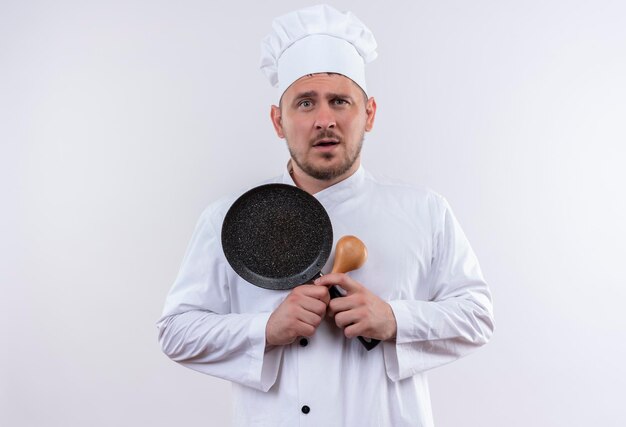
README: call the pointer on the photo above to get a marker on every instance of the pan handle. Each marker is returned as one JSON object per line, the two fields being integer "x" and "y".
{"x": 368, "y": 343}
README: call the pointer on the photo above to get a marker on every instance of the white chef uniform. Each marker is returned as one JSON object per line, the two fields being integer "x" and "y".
{"x": 419, "y": 260}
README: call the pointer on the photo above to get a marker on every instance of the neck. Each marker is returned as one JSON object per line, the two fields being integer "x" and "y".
{"x": 313, "y": 185}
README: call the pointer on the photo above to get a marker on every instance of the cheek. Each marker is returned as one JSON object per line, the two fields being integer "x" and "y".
{"x": 289, "y": 122}
{"x": 296, "y": 129}
{"x": 355, "y": 126}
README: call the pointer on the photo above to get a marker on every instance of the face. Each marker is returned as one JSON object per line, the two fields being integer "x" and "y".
{"x": 324, "y": 117}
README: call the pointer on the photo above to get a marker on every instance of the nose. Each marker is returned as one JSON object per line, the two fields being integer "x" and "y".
{"x": 325, "y": 119}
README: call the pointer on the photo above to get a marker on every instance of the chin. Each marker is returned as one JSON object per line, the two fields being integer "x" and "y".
{"x": 326, "y": 172}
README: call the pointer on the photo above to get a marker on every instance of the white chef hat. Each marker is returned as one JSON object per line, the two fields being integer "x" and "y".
{"x": 316, "y": 39}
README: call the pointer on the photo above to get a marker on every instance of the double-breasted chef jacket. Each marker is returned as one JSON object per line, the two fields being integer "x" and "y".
{"x": 419, "y": 261}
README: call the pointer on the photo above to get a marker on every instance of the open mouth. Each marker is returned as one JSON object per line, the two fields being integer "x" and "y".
{"x": 326, "y": 143}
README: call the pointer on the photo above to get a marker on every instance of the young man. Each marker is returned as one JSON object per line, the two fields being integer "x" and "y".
{"x": 291, "y": 355}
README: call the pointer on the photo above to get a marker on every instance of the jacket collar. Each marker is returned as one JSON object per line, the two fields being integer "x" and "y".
{"x": 336, "y": 193}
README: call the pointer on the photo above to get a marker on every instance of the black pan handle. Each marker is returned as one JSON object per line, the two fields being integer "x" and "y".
{"x": 368, "y": 343}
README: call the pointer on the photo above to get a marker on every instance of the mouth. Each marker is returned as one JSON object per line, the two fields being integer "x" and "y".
{"x": 324, "y": 143}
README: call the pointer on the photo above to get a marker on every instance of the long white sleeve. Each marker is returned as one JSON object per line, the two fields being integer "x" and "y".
{"x": 199, "y": 328}
{"x": 458, "y": 316}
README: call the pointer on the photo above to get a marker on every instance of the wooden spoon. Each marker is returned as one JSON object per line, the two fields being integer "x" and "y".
{"x": 350, "y": 254}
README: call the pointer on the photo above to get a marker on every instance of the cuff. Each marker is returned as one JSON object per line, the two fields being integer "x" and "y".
{"x": 400, "y": 356}
{"x": 264, "y": 365}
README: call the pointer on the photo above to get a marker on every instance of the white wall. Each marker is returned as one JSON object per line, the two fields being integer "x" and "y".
{"x": 121, "y": 120}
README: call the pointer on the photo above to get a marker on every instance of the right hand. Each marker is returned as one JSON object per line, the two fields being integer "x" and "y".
{"x": 299, "y": 315}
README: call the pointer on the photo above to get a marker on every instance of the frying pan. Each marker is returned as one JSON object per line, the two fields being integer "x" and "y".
{"x": 277, "y": 236}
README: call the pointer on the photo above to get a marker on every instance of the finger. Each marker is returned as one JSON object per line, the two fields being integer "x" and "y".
{"x": 310, "y": 318}
{"x": 346, "y": 318}
{"x": 304, "y": 329}
{"x": 354, "y": 330}
{"x": 312, "y": 297}
{"x": 313, "y": 305}
{"x": 313, "y": 291}
{"x": 338, "y": 305}
{"x": 340, "y": 279}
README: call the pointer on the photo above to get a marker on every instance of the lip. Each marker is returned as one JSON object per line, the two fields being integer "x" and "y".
{"x": 326, "y": 144}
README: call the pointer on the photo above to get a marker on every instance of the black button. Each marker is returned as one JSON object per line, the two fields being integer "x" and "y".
{"x": 306, "y": 409}
{"x": 304, "y": 342}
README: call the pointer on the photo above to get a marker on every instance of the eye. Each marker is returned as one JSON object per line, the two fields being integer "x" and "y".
{"x": 339, "y": 101}
{"x": 305, "y": 103}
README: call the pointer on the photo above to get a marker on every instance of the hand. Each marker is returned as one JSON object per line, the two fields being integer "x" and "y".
{"x": 298, "y": 315}
{"x": 360, "y": 312}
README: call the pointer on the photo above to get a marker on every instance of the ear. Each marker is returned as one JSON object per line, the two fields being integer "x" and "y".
{"x": 277, "y": 121}
{"x": 370, "y": 110}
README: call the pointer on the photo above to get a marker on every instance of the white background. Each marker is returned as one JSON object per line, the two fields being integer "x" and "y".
{"x": 121, "y": 120}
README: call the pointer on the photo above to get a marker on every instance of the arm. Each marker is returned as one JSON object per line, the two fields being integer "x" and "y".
{"x": 198, "y": 329}
{"x": 456, "y": 319}
{"x": 420, "y": 335}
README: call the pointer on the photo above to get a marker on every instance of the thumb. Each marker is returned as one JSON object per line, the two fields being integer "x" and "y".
{"x": 339, "y": 279}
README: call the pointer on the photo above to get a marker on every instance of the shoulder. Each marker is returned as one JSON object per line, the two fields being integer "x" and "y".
{"x": 215, "y": 212}
{"x": 397, "y": 189}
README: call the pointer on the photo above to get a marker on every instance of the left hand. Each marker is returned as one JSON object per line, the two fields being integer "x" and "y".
{"x": 359, "y": 312}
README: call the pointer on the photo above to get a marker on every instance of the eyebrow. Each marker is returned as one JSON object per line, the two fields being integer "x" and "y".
{"x": 308, "y": 94}
{"x": 314, "y": 94}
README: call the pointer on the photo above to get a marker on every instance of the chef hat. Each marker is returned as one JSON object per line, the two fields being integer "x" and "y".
{"x": 316, "y": 39}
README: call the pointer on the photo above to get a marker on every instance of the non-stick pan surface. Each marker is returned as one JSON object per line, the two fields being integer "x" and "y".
{"x": 277, "y": 236}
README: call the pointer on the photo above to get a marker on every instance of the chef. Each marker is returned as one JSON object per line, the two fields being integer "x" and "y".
{"x": 292, "y": 355}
